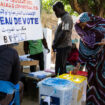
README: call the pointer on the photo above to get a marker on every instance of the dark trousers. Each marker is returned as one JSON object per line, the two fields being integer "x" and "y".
{"x": 39, "y": 57}
{"x": 61, "y": 59}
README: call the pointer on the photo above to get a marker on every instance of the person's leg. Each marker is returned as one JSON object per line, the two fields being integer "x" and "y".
{"x": 6, "y": 100}
{"x": 33, "y": 68}
{"x": 63, "y": 62}
{"x": 63, "y": 59}
{"x": 57, "y": 63}
{"x": 21, "y": 89}
{"x": 41, "y": 61}
{"x": 39, "y": 57}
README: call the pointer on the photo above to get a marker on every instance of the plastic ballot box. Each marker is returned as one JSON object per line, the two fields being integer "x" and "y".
{"x": 55, "y": 91}
{"x": 79, "y": 92}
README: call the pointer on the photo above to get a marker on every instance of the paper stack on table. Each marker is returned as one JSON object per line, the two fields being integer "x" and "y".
{"x": 50, "y": 71}
{"x": 40, "y": 74}
{"x": 25, "y": 58}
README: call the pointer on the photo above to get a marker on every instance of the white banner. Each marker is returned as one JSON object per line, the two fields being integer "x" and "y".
{"x": 19, "y": 21}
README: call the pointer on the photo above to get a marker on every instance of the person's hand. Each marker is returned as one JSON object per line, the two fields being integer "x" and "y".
{"x": 75, "y": 70}
{"x": 26, "y": 52}
{"x": 102, "y": 42}
{"x": 48, "y": 50}
{"x": 53, "y": 47}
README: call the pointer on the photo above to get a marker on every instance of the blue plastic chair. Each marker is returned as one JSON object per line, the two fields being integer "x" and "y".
{"x": 10, "y": 88}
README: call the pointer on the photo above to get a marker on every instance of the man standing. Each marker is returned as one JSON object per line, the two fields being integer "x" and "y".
{"x": 35, "y": 49}
{"x": 62, "y": 42}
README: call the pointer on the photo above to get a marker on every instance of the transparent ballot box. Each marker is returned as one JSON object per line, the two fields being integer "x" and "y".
{"x": 79, "y": 91}
{"x": 55, "y": 91}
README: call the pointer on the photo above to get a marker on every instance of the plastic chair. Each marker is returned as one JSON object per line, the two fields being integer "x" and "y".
{"x": 10, "y": 88}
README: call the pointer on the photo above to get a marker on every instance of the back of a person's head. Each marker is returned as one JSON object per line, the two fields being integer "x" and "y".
{"x": 59, "y": 5}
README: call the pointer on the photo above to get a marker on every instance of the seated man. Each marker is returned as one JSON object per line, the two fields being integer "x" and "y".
{"x": 9, "y": 71}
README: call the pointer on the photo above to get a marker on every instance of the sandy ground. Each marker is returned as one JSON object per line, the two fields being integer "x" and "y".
{"x": 29, "y": 102}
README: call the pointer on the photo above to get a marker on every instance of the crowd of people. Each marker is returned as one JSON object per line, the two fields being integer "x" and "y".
{"x": 91, "y": 52}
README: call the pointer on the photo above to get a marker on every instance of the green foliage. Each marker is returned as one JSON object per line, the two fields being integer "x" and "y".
{"x": 65, "y": 2}
{"x": 103, "y": 4}
{"x": 81, "y": 1}
{"x": 91, "y": 3}
{"x": 47, "y": 6}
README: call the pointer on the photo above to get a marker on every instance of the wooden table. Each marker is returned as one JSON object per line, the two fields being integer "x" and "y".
{"x": 29, "y": 63}
{"x": 37, "y": 79}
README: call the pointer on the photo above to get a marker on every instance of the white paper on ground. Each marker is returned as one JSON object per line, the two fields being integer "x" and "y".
{"x": 47, "y": 99}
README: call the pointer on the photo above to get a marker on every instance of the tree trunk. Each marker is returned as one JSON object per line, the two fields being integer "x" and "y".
{"x": 98, "y": 9}
{"x": 102, "y": 12}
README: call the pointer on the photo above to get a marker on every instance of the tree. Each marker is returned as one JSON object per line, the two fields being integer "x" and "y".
{"x": 47, "y": 6}
{"x": 96, "y": 7}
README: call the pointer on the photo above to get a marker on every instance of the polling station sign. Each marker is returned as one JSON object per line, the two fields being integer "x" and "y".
{"x": 19, "y": 21}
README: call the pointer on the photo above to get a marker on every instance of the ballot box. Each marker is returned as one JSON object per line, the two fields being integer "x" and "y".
{"x": 79, "y": 92}
{"x": 55, "y": 91}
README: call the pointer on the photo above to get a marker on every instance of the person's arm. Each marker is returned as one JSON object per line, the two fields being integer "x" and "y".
{"x": 102, "y": 42}
{"x": 45, "y": 44}
{"x": 76, "y": 69}
{"x": 16, "y": 69}
{"x": 62, "y": 37}
{"x": 79, "y": 62}
{"x": 26, "y": 47}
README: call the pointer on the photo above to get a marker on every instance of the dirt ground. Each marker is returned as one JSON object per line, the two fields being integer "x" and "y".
{"x": 30, "y": 102}
{"x": 27, "y": 101}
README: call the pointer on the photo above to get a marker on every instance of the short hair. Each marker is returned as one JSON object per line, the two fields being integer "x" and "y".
{"x": 59, "y": 5}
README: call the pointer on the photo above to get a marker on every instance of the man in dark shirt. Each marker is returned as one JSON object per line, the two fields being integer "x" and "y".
{"x": 62, "y": 42}
{"x": 9, "y": 71}
{"x": 9, "y": 64}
